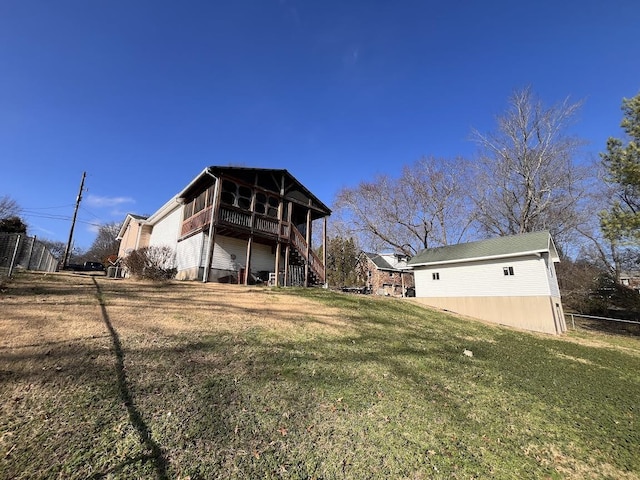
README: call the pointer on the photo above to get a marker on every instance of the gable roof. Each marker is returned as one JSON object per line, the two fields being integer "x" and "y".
{"x": 386, "y": 261}
{"x": 500, "y": 247}
{"x": 268, "y": 178}
{"x": 125, "y": 223}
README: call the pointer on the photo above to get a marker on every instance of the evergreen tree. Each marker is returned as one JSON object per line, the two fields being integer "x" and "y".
{"x": 13, "y": 224}
{"x": 620, "y": 224}
{"x": 342, "y": 260}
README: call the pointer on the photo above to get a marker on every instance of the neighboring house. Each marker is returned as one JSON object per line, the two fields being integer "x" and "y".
{"x": 385, "y": 274}
{"x": 505, "y": 280}
{"x": 236, "y": 224}
{"x": 134, "y": 233}
{"x": 631, "y": 280}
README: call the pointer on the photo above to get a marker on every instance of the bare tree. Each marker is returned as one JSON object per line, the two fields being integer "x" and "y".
{"x": 56, "y": 247}
{"x": 427, "y": 206}
{"x": 527, "y": 178}
{"x": 105, "y": 243}
{"x": 9, "y": 207}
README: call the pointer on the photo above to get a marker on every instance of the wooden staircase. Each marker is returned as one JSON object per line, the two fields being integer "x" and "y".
{"x": 301, "y": 255}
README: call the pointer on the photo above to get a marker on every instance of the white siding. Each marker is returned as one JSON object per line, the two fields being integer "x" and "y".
{"x": 166, "y": 230}
{"x": 485, "y": 279}
{"x": 261, "y": 256}
{"x": 189, "y": 252}
{"x": 552, "y": 278}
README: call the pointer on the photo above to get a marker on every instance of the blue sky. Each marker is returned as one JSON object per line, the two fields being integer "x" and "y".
{"x": 142, "y": 95}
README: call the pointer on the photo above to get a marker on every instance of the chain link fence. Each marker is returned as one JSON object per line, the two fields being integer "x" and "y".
{"x": 18, "y": 251}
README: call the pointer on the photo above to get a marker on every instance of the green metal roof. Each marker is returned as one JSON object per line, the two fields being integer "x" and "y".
{"x": 531, "y": 243}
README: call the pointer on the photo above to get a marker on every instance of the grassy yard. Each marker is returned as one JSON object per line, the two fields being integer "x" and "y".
{"x": 103, "y": 378}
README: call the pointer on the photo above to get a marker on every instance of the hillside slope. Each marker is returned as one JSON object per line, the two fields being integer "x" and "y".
{"x": 103, "y": 378}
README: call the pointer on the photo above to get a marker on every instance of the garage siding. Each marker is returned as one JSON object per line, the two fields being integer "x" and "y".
{"x": 484, "y": 278}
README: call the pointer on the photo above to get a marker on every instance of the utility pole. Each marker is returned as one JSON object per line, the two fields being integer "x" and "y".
{"x": 67, "y": 250}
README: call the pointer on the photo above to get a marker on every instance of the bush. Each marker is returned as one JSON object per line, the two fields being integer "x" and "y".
{"x": 152, "y": 263}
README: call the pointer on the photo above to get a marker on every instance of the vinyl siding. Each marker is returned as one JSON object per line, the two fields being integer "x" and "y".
{"x": 189, "y": 252}
{"x": 145, "y": 236}
{"x": 261, "y": 256}
{"x": 485, "y": 279}
{"x": 166, "y": 230}
{"x": 552, "y": 277}
{"x": 129, "y": 238}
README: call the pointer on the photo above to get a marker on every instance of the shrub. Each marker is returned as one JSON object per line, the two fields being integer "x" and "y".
{"x": 152, "y": 263}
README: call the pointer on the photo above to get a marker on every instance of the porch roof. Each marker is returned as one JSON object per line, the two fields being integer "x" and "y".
{"x": 267, "y": 178}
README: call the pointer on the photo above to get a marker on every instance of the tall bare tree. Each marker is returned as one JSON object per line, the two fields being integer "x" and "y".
{"x": 56, "y": 247}
{"x": 426, "y": 206}
{"x": 527, "y": 176}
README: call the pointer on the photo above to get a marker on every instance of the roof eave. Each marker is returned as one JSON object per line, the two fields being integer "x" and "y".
{"x": 162, "y": 211}
{"x": 477, "y": 259}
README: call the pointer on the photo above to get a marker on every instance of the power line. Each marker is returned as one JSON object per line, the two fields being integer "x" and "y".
{"x": 64, "y": 218}
{"x": 47, "y": 208}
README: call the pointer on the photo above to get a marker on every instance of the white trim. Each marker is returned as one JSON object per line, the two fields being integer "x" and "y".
{"x": 163, "y": 211}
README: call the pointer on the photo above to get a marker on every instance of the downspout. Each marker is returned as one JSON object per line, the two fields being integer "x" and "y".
{"x": 207, "y": 262}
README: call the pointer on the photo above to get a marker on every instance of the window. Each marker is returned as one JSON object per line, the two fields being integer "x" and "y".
{"x": 199, "y": 203}
{"x": 507, "y": 270}
{"x": 435, "y": 275}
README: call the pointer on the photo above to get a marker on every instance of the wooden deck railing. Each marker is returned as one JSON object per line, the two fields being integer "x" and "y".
{"x": 261, "y": 224}
{"x": 195, "y": 222}
{"x": 237, "y": 217}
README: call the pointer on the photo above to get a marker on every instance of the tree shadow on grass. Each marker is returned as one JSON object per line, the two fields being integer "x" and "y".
{"x": 156, "y": 454}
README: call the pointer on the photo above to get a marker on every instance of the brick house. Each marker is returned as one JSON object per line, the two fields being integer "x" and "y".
{"x": 385, "y": 274}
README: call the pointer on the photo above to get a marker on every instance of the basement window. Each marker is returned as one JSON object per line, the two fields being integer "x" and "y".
{"x": 507, "y": 270}
{"x": 435, "y": 275}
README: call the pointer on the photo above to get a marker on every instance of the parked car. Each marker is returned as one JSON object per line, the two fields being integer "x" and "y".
{"x": 86, "y": 267}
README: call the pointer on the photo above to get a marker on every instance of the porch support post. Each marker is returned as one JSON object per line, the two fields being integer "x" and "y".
{"x": 277, "y": 267}
{"x": 247, "y": 265}
{"x": 212, "y": 229}
{"x": 287, "y": 250}
{"x": 278, "y": 240}
{"x": 324, "y": 250}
